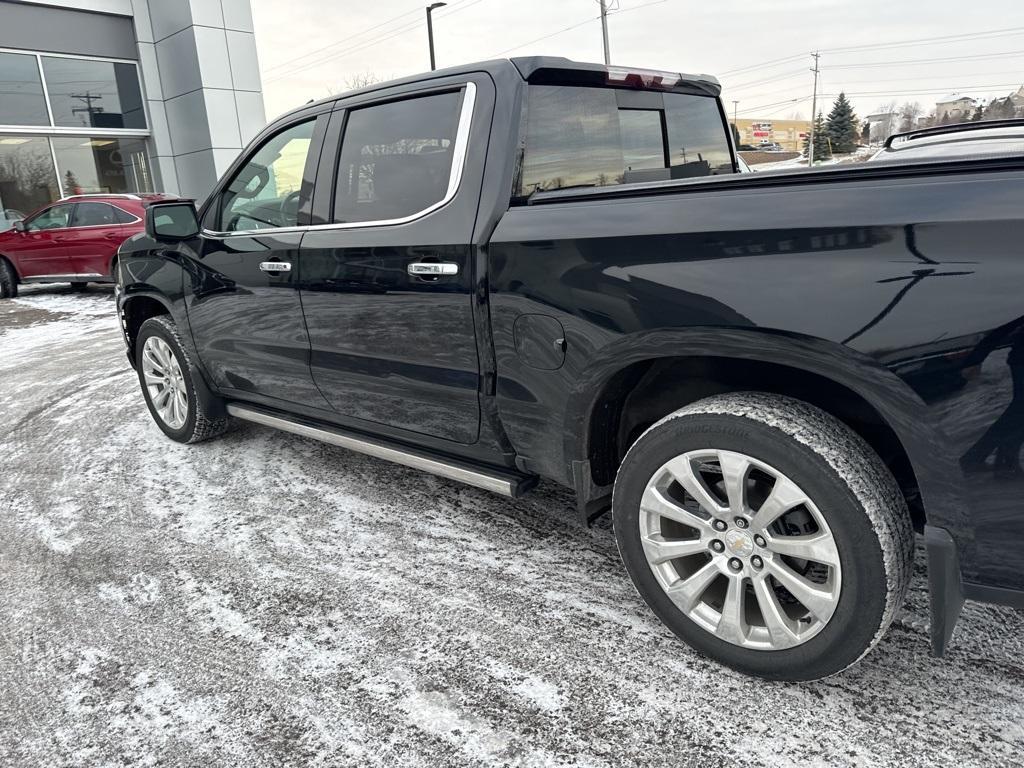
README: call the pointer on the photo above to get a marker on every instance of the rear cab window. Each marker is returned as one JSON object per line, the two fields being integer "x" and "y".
{"x": 397, "y": 157}
{"x": 598, "y": 136}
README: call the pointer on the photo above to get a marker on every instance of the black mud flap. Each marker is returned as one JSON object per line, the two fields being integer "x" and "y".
{"x": 592, "y": 500}
{"x": 945, "y": 589}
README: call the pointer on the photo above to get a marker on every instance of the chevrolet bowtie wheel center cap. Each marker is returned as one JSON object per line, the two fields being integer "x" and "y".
{"x": 739, "y": 543}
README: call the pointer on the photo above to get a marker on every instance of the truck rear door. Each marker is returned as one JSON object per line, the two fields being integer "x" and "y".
{"x": 387, "y": 280}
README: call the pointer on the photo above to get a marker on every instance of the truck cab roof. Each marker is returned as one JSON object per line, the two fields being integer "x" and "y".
{"x": 553, "y": 70}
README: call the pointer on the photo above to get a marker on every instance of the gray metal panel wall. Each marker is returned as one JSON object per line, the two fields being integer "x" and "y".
{"x": 61, "y": 30}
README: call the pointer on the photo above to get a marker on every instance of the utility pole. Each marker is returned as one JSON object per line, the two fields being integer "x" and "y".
{"x": 814, "y": 112}
{"x": 430, "y": 32}
{"x": 735, "y": 103}
{"x": 88, "y": 109}
{"x": 604, "y": 31}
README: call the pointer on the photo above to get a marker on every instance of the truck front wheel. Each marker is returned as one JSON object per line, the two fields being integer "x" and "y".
{"x": 169, "y": 383}
{"x": 765, "y": 533}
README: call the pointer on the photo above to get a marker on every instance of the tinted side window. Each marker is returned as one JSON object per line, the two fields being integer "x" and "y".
{"x": 582, "y": 137}
{"x": 123, "y": 217}
{"x": 52, "y": 218}
{"x": 23, "y": 102}
{"x": 396, "y": 158}
{"x": 266, "y": 191}
{"x": 93, "y": 215}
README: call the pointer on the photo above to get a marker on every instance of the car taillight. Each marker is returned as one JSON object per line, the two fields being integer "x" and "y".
{"x": 643, "y": 78}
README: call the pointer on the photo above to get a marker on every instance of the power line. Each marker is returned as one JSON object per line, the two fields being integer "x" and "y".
{"x": 898, "y": 92}
{"x": 765, "y": 81}
{"x": 940, "y": 60}
{"x": 1006, "y": 31}
{"x": 784, "y": 102}
{"x": 761, "y": 65}
{"x": 363, "y": 45}
{"x": 336, "y": 43}
{"x": 545, "y": 37}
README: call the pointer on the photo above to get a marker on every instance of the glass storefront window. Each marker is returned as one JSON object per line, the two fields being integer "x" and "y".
{"x": 95, "y": 165}
{"x": 27, "y": 176}
{"x": 93, "y": 94}
{"x": 21, "y": 91}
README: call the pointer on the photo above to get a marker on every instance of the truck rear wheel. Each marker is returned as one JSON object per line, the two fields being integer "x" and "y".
{"x": 765, "y": 533}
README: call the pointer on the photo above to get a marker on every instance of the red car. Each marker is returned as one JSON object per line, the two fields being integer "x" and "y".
{"x": 73, "y": 240}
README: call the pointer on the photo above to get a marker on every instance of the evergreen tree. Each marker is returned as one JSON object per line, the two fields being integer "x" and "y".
{"x": 71, "y": 184}
{"x": 999, "y": 109}
{"x": 821, "y": 145}
{"x": 979, "y": 112}
{"x": 841, "y": 126}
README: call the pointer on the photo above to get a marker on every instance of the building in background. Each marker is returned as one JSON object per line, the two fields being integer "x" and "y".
{"x": 882, "y": 125}
{"x": 102, "y": 96}
{"x": 789, "y": 134}
{"x": 954, "y": 108}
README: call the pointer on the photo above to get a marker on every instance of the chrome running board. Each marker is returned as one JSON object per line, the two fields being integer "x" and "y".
{"x": 84, "y": 277}
{"x": 495, "y": 480}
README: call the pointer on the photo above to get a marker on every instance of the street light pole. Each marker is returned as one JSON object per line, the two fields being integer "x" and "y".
{"x": 430, "y": 32}
{"x": 604, "y": 31}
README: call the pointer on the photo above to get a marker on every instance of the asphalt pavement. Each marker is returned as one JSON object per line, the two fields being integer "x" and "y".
{"x": 263, "y": 599}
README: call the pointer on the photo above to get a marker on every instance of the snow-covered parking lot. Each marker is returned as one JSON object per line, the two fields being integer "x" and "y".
{"x": 263, "y": 599}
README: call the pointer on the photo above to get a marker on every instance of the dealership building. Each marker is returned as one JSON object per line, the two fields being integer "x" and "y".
{"x": 114, "y": 96}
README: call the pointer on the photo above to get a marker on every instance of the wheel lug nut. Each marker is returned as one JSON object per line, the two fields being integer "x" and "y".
{"x": 741, "y": 522}
{"x": 720, "y": 525}
{"x": 756, "y": 561}
{"x": 759, "y": 540}
{"x": 717, "y": 546}
{"x": 735, "y": 564}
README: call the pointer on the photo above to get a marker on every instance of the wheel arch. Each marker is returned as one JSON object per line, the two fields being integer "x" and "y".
{"x": 135, "y": 309}
{"x": 643, "y": 378}
{"x": 9, "y": 260}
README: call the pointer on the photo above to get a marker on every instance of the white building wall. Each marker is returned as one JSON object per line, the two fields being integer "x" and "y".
{"x": 203, "y": 90}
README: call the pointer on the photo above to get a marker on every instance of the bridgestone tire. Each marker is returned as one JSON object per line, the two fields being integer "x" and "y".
{"x": 8, "y": 280}
{"x": 201, "y": 423}
{"x": 842, "y": 476}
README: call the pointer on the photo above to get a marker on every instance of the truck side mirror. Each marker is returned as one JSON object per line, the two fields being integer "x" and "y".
{"x": 172, "y": 222}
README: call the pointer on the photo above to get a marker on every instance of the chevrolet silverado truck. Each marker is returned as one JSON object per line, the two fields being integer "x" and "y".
{"x": 537, "y": 268}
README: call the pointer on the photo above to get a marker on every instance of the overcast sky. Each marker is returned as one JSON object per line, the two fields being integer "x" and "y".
{"x": 312, "y": 48}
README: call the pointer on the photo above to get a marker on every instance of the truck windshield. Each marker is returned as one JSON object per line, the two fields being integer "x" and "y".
{"x": 584, "y": 136}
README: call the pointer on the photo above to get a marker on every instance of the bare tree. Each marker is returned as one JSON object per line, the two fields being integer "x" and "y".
{"x": 909, "y": 113}
{"x": 355, "y": 82}
{"x": 886, "y": 126}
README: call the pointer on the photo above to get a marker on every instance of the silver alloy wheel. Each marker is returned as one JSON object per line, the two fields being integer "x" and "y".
{"x": 740, "y": 549}
{"x": 165, "y": 382}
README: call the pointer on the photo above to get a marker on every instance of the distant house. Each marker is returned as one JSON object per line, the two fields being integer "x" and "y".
{"x": 954, "y": 107}
{"x": 1017, "y": 97}
{"x": 881, "y": 126}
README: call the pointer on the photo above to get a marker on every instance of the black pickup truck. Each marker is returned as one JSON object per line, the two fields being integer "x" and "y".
{"x": 536, "y": 268}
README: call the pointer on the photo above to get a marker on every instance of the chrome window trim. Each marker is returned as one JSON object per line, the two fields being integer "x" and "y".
{"x": 65, "y": 201}
{"x": 459, "y": 153}
{"x": 118, "y": 195}
{"x": 135, "y": 219}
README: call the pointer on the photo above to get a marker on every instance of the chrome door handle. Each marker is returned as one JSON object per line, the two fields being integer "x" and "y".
{"x": 275, "y": 266}
{"x": 433, "y": 268}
